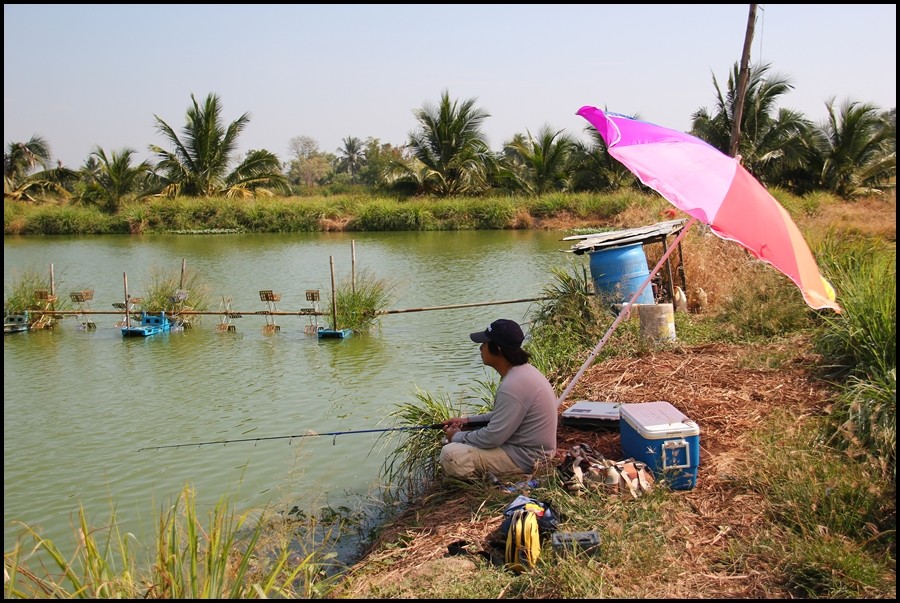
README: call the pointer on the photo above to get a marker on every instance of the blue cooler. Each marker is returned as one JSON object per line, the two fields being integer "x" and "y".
{"x": 661, "y": 436}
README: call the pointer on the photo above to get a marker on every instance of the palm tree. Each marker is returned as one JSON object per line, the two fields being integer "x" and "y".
{"x": 351, "y": 157}
{"x": 857, "y": 149}
{"x": 771, "y": 142}
{"x": 21, "y": 181}
{"x": 542, "y": 162}
{"x": 449, "y": 153}
{"x": 199, "y": 164}
{"x": 111, "y": 180}
{"x": 22, "y": 158}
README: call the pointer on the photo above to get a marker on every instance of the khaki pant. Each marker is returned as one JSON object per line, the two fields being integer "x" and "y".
{"x": 464, "y": 462}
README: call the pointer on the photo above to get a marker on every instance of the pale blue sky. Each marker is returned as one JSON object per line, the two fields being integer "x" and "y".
{"x": 92, "y": 75}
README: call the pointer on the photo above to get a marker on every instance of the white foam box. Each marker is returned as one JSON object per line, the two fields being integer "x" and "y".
{"x": 661, "y": 436}
{"x": 589, "y": 414}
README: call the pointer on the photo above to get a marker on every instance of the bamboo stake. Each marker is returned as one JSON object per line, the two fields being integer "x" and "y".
{"x": 353, "y": 266}
{"x": 127, "y": 313}
{"x": 333, "y": 298}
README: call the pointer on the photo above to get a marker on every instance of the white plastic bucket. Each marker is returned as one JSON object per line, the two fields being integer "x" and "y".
{"x": 657, "y": 322}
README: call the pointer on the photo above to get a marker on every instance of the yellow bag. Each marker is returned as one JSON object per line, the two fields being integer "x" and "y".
{"x": 523, "y": 541}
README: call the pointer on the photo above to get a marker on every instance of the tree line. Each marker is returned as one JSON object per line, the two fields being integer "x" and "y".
{"x": 852, "y": 153}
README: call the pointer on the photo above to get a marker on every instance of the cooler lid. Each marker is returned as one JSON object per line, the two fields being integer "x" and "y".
{"x": 589, "y": 409}
{"x": 658, "y": 420}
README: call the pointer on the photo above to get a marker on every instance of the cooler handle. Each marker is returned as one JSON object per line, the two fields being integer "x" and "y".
{"x": 675, "y": 445}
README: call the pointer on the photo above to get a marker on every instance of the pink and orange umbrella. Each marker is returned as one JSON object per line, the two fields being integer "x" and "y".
{"x": 714, "y": 188}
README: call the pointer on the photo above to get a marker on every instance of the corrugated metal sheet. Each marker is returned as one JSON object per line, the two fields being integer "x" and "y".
{"x": 617, "y": 238}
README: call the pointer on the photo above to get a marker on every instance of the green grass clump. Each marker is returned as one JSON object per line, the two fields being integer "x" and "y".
{"x": 862, "y": 340}
{"x": 360, "y": 301}
{"x": 830, "y": 512}
{"x": 412, "y": 458}
{"x": 567, "y": 321}
{"x": 860, "y": 346}
{"x": 762, "y": 304}
{"x": 224, "y": 560}
{"x": 22, "y": 295}
{"x": 19, "y": 296}
{"x": 171, "y": 292}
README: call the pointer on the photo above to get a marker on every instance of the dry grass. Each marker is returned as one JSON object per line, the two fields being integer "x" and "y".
{"x": 871, "y": 216}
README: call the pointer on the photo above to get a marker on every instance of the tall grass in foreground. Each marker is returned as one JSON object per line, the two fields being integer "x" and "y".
{"x": 862, "y": 340}
{"x": 412, "y": 457}
{"x": 224, "y": 560}
{"x": 860, "y": 346}
{"x": 830, "y": 513}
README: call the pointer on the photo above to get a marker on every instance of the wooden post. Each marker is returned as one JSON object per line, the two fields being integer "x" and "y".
{"x": 670, "y": 285}
{"x": 738, "y": 112}
{"x": 333, "y": 298}
{"x": 183, "y": 265}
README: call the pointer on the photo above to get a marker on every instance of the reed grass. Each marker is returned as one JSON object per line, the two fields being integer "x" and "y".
{"x": 361, "y": 299}
{"x": 861, "y": 341}
{"x": 166, "y": 288}
{"x": 412, "y": 456}
{"x": 859, "y": 346}
{"x": 566, "y": 323}
{"x": 19, "y": 295}
{"x": 222, "y": 560}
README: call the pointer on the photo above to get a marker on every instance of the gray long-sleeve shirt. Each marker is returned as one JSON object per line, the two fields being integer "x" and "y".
{"x": 523, "y": 421}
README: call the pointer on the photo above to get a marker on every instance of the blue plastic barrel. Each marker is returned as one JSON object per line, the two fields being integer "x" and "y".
{"x": 618, "y": 272}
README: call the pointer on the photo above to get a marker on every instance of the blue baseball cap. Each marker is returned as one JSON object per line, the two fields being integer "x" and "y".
{"x": 505, "y": 333}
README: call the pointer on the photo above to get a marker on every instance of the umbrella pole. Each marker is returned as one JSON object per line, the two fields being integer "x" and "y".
{"x": 623, "y": 313}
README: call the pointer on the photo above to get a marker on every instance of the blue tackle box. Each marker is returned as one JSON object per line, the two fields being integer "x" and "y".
{"x": 661, "y": 436}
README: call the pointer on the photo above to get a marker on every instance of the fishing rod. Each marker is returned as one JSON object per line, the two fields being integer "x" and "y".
{"x": 469, "y": 425}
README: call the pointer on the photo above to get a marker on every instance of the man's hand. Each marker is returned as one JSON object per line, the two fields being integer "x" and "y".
{"x": 451, "y": 430}
{"x": 456, "y": 422}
